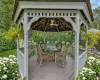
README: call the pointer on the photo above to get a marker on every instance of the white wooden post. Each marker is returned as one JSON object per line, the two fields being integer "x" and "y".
{"x": 17, "y": 46}
{"x": 77, "y": 47}
{"x": 25, "y": 46}
{"x": 86, "y": 43}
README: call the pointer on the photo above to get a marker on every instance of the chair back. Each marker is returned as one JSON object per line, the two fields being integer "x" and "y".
{"x": 64, "y": 49}
{"x": 59, "y": 46}
{"x": 39, "y": 50}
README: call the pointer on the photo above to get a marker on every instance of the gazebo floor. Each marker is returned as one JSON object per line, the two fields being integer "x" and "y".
{"x": 51, "y": 71}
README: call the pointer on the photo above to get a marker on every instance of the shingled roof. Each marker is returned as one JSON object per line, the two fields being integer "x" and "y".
{"x": 87, "y": 1}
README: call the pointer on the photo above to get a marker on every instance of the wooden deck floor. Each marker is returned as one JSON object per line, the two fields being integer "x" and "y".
{"x": 51, "y": 71}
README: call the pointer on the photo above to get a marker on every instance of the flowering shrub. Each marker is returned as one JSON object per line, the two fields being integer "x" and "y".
{"x": 92, "y": 38}
{"x": 87, "y": 74}
{"x": 94, "y": 64}
{"x": 8, "y": 68}
{"x": 13, "y": 33}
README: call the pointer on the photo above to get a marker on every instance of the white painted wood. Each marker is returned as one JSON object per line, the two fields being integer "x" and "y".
{"x": 20, "y": 61}
{"x": 17, "y": 44}
{"x": 73, "y": 24}
{"x": 83, "y": 20}
{"x": 53, "y": 5}
{"x": 82, "y": 54}
{"x": 77, "y": 47}
{"x": 22, "y": 75}
{"x": 17, "y": 13}
{"x": 52, "y": 13}
{"x": 82, "y": 60}
{"x": 32, "y": 20}
{"x": 25, "y": 46}
{"x": 20, "y": 20}
{"x": 86, "y": 11}
{"x": 50, "y": 5}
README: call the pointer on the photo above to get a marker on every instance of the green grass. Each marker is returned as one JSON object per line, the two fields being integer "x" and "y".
{"x": 7, "y": 53}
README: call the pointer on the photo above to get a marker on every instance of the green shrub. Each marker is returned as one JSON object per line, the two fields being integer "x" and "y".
{"x": 94, "y": 64}
{"x": 8, "y": 68}
{"x": 53, "y": 36}
{"x": 6, "y": 44}
{"x": 87, "y": 74}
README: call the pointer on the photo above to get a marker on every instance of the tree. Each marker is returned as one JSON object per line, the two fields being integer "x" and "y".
{"x": 6, "y": 10}
{"x": 96, "y": 22}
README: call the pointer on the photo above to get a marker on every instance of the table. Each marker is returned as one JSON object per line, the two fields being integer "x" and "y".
{"x": 51, "y": 52}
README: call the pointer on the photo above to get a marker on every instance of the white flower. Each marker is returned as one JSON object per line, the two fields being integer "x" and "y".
{"x": 92, "y": 58}
{"x": 98, "y": 62}
{"x": 85, "y": 68}
{"x": 84, "y": 78}
{"x": 6, "y": 59}
{"x": 4, "y": 76}
{"x": 5, "y": 68}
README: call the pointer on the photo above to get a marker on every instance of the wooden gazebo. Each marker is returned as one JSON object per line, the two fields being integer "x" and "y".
{"x": 38, "y": 14}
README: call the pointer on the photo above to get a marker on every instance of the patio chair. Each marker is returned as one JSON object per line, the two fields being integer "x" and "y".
{"x": 60, "y": 57}
{"x": 42, "y": 56}
{"x": 59, "y": 46}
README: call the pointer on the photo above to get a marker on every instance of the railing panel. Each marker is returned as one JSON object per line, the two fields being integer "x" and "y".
{"x": 82, "y": 60}
{"x": 20, "y": 59}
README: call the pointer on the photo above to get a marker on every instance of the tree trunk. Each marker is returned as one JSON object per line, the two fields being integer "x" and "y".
{"x": 97, "y": 47}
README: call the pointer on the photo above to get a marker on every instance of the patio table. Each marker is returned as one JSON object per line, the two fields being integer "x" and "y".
{"x": 51, "y": 52}
{"x": 50, "y": 48}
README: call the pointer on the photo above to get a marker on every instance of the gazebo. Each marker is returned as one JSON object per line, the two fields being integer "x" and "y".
{"x": 36, "y": 15}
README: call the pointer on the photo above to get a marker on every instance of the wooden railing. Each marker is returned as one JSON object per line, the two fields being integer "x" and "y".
{"x": 82, "y": 59}
{"x": 20, "y": 60}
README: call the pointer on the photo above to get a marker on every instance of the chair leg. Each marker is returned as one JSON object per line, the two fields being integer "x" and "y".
{"x": 55, "y": 59}
{"x": 40, "y": 63}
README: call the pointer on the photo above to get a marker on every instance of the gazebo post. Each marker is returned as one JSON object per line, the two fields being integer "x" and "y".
{"x": 77, "y": 47}
{"x": 25, "y": 46}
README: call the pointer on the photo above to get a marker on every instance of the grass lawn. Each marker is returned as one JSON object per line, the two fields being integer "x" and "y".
{"x": 7, "y": 53}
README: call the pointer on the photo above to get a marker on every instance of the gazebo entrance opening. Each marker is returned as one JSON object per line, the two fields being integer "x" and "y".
{"x": 51, "y": 63}
{"x": 46, "y": 53}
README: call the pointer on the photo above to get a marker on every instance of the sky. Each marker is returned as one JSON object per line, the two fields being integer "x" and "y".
{"x": 95, "y": 3}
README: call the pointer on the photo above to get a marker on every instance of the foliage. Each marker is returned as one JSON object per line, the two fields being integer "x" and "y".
{"x": 37, "y": 36}
{"x": 94, "y": 64}
{"x": 92, "y": 68}
{"x": 96, "y": 22}
{"x": 8, "y": 68}
{"x": 6, "y": 10}
{"x": 53, "y": 37}
{"x": 92, "y": 38}
{"x": 93, "y": 55}
{"x": 13, "y": 33}
{"x": 6, "y": 44}
{"x": 87, "y": 74}
{"x": 82, "y": 38}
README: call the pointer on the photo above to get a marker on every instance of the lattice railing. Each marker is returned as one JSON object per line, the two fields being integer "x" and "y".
{"x": 20, "y": 60}
{"x": 82, "y": 60}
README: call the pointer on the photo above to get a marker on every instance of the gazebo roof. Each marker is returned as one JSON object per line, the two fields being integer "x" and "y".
{"x": 51, "y": 25}
{"x": 87, "y": 2}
